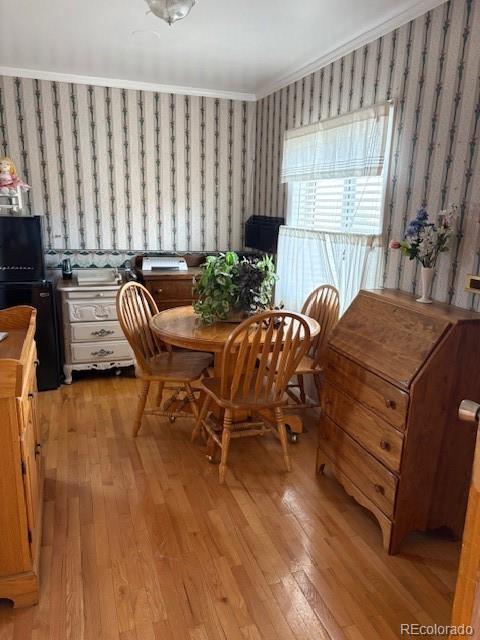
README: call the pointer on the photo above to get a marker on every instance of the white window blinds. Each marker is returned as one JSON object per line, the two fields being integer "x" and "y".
{"x": 338, "y": 205}
{"x": 348, "y": 146}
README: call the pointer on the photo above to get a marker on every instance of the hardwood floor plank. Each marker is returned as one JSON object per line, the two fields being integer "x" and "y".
{"x": 140, "y": 542}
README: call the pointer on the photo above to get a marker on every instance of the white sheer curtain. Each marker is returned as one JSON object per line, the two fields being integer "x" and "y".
{"x": 350, "y": 149}
{"x": 307, "y": 259}
{"x": 343, "y": 147}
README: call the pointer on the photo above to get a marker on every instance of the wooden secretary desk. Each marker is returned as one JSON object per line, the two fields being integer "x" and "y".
{"x": 395, "y": 374}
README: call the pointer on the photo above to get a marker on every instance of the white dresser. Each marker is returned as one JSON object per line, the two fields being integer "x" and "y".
{"x": 92, "y": 334}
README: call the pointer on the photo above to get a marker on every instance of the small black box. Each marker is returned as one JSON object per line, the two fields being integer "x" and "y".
{"x": 261, "y": 232}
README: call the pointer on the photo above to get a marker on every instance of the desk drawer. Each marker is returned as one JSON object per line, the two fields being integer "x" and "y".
{"x": 366, "y": 473}
{"x": 101, "y": 352}
{"x": 369, "y": 389}
{"x": 96, "y": 331}
{"x": 88, "y": 311}
{"x": 366, "y": 427}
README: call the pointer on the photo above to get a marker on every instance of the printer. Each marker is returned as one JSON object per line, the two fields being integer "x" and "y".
{"x": 164, "y": 263}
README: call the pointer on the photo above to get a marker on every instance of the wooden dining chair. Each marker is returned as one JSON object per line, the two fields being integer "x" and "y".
{"x": 156, "y": 361}
{"x": 259, "y": 358}
{"x": 322, "y": 305}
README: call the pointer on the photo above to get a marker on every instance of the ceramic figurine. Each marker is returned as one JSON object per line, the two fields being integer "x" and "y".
{"x": 9, "y": 181}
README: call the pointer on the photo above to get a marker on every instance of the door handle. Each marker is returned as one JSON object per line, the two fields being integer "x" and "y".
{"x": 102, "y": 332}
{"x": 469, "y": 411}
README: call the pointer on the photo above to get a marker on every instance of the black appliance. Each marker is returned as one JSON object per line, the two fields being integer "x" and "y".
{"x": 21, "y": 249}
{"x": 261, "y": 232}
{"x": 22, "y": 281}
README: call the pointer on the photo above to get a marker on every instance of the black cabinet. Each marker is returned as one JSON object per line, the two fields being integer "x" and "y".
{"x": 40, "y": 295}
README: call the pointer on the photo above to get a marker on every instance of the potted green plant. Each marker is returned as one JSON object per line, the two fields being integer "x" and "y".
{"x": 230, "y": 288}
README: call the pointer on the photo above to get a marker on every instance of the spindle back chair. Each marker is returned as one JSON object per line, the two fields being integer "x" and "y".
{"x": 156, "y": 361}
{"x": 323, "y": 305}
{"x": 135, "y": 308}
{"x": 259, "y": 358}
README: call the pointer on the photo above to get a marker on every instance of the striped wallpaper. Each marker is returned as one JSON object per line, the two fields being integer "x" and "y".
{"x": 430, "y": 67}
{"x": 120, "y": 171}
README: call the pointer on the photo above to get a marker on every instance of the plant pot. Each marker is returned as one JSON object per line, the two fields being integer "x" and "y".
{"x": 426, "y": 275}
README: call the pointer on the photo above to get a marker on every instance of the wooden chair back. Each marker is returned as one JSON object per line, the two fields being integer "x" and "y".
{"x": 135, "y": 308}
{"x": 261, "y": 355}
{"x": 323, "y": 305}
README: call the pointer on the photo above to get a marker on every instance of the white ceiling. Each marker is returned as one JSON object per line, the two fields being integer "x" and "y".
{"x": 234, "y": 46}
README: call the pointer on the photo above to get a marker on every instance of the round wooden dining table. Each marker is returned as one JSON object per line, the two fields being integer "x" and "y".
{"x": 182, "y": 327}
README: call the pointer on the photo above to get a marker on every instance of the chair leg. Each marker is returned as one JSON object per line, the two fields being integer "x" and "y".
{"x": 301, "y": 387}
{"x": 212, "y": 446}
{"x": 318, "y": 384}
{"x": 319, "y": 466}
{"x": 191, "y": 399}
{"x": 142, "y": 401}
{"x": 160, "y": 393}
{"x": 227, "y": 425}
{"x": 200, "y": 417}
{"x": 282, "y": 432}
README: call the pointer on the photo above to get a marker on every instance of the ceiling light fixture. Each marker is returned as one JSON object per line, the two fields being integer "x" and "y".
{"x": 170, "y": 10}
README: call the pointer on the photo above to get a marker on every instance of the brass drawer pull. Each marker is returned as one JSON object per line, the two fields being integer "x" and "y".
{"x": 379, "y": 489}
{"x": 386, "y": 446}
{"x": 36, "y": 362}
{"x": 31, "y": 396}
{"x": 159, "y": 290}
{"x": 102, "y": 332}
{"x": 390, "y": 404}
{"x": 101, "y": 352}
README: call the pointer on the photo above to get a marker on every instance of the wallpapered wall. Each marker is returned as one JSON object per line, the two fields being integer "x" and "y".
{"x": 430, "y": 68}
{"x": 120, "y": 171}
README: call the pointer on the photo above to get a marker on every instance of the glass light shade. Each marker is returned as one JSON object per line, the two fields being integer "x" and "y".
{"x": 171, "y": 10}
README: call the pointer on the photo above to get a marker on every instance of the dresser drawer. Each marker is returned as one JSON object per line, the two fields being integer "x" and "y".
{"x": 366, "y": 387}
{"x": 89, "y": 310}
{"x": 90, "y": 295}
{"x": 96, "y": 331}
{"x": 100, "y": 352}
{"x": 171, "y": 289}
{"x": 364, "y": 471}
{"x": 367, "y": 428}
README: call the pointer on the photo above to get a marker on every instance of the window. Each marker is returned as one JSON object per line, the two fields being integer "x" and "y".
{"x": 336, "y": 174}
{"x": 339, "y": 205}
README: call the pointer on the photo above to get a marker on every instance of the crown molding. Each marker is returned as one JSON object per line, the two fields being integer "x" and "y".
{"x": 124, "y": 84}
{"x": 415, "y": 10}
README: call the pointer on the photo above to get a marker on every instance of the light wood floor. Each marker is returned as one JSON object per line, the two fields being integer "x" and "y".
{"x": 141, "y": 543}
